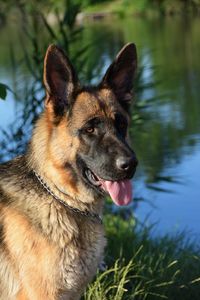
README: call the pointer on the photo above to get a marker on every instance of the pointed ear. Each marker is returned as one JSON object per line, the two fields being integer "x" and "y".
{"x": 120, "y": 75}
{"x": 60, "y": 80}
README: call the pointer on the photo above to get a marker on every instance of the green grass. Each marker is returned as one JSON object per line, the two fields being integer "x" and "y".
{"x": 141, "y": 267}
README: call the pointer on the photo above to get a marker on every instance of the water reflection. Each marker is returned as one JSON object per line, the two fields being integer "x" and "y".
{"x": 167, "y": 141}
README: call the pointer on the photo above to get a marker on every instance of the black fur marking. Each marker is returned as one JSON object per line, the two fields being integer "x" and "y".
{"x": 1, "y": 233}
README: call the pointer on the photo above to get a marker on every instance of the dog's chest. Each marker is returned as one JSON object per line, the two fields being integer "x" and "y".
{"x": 80, "y": 250}
{"x": 80, "y": 259}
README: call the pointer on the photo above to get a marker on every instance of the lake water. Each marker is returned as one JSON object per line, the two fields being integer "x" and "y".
{"x": 168, "y": 140}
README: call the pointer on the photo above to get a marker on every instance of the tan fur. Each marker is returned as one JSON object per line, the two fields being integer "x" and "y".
{"x": 21, "y": 296}
{"x": 35, "y": 254}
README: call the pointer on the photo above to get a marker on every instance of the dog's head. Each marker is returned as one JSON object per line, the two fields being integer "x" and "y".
{"x": 88, "y": 153}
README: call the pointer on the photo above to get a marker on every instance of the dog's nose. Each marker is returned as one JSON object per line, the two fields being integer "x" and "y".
{"x": 126, "y": 163}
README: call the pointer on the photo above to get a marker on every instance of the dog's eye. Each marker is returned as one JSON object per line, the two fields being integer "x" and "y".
{"x": 92, "y": 126}
{"x": 90, "y": 129}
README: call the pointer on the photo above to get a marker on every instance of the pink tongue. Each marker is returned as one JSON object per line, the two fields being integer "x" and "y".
{"x": 120, "y": 191}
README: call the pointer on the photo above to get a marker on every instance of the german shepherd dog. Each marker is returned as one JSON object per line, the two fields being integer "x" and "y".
{"x": 51, "y": 198}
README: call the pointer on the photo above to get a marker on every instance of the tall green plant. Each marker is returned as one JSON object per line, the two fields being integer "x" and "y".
{"x": 58, "y": 26}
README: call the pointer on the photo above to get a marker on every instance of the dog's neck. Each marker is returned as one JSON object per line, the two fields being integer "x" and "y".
{"x": 94, "y": 217}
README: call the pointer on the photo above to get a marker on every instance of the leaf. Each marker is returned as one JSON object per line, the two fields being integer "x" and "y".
{"x": 3, "y": 91}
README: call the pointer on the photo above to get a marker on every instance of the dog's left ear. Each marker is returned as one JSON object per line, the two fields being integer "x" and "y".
{"x": 60, "y": 80}
{"x": 120, "y": 75}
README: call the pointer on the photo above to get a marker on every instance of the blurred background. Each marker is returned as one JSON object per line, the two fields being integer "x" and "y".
{"x": 165, "y": 129}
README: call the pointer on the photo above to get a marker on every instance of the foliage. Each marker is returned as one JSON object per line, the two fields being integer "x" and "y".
{"x": 120, "y": 7}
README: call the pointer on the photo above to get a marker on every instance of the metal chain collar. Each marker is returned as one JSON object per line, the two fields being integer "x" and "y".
{"x": 93, "y": 216}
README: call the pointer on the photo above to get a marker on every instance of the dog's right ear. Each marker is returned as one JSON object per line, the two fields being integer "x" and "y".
{"x": 60, "y": 80}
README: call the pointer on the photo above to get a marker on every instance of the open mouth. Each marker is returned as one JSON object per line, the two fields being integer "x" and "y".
{"x": 120, "y": 191}
{"x": 92, "y": 178}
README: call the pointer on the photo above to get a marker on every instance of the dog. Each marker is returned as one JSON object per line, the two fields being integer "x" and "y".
{"x": 51, "y": 198}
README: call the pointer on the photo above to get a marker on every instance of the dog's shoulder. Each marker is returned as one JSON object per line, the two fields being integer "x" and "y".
{"x": 12, "y": 174}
